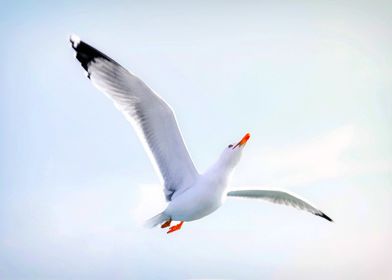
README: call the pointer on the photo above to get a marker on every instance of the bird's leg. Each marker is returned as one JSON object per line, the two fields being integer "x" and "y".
{"x": 166, "y": 224}
{"x": 175, "y": 227}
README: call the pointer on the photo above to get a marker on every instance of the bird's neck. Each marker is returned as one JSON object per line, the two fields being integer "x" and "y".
{"x": 220, "y": 171}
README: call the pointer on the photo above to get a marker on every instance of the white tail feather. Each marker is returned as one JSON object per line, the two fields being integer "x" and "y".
{"x": 156, "y": 220}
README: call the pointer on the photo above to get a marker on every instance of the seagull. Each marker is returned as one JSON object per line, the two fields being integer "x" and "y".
{"x": 190, "y": 195}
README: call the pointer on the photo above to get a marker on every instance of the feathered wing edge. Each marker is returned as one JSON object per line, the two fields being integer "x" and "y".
{"x": 151, "y": 117}
{"x": 279, "y": 197}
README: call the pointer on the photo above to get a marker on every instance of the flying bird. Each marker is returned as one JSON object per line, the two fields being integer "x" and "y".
{"x": 190, "y": 195}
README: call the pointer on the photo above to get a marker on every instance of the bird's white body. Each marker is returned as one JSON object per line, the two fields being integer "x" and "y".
{"x": 201, "y": 199}
{"x": 191, "y": 195}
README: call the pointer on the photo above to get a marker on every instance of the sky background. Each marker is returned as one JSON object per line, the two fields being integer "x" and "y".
{"x": 310, "y": 80}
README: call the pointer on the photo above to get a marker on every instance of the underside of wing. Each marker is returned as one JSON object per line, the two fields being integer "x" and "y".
{"x": 279, "y": 197}
{"x": 153, "y": 119}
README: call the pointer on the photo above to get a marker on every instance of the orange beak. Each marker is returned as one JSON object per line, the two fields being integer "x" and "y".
{"x": 243, "y": 140}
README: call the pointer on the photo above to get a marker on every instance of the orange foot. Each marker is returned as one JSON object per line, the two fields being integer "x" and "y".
{"x": 175, "y": 227}
{"x": 166, "y": 224}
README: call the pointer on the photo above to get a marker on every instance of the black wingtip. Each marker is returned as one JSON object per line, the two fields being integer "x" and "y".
{"x": 86, "y": 53}
{"x": 322, "y": 215}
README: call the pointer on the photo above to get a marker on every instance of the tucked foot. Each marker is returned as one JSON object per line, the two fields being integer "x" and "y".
{"x": 166, "y": 224}
{"x": 175, "y": 227}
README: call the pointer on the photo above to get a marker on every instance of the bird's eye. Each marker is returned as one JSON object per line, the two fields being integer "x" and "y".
{"x": 230, "y": 146}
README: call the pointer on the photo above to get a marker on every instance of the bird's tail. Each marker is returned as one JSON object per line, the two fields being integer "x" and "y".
{"x": 156, "y": 220}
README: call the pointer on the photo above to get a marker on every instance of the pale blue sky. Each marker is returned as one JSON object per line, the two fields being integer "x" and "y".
{"x": 310, "y": 81}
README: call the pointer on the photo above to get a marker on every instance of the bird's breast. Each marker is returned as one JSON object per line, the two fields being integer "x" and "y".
{"x": 196, "y": 202}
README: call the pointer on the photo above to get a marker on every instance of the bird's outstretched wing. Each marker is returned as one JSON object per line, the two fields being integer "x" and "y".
{"x": 279, "y": 197}
{"x": 151, "y": 116}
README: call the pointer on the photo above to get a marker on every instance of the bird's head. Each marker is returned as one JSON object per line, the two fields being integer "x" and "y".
{"x": 231, "y": 155}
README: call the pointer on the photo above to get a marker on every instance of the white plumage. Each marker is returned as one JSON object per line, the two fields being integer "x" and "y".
{"x": 279, "y": 197}
{"x": 191, "y": 196}
{"x": 153, "y": 120}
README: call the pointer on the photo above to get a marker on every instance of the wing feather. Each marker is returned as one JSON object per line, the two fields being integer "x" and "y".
{"x": 152, "y": 118}
{"x": 279, "y": 197}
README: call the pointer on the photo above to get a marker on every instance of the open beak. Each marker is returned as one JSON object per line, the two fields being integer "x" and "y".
{"x": 243, "y": 140}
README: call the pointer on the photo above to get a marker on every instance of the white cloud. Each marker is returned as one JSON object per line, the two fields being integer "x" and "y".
{"x": 151, "y": 202}
{"x": 338, "y": 153}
